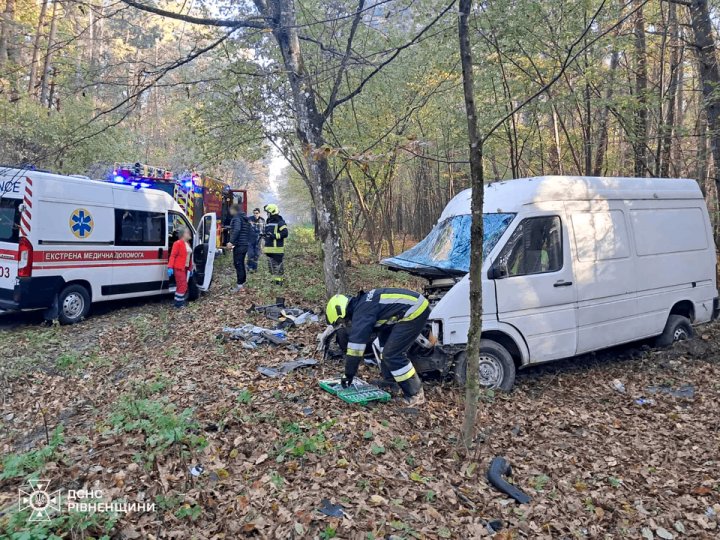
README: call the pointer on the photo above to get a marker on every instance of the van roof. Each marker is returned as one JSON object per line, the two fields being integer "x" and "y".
{"x": 511, "y": 195}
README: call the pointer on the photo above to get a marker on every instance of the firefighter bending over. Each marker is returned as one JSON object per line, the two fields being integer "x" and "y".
{"x": 397, "y": 316}
{"x": 276, "y": 232}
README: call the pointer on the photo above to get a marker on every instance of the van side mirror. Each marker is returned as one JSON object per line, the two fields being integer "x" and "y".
{"x": 498, "y": 271}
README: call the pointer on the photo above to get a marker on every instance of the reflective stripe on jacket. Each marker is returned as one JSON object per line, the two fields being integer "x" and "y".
{"x": 380, "y": 307}
{"x": 276, "y": 232}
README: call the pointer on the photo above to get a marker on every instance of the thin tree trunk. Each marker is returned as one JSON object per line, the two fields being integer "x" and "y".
{"x": 45, "y": 79}
{"x": 36, "y": 48}
{"x": 476, "y": 228}
{"x": 641, "y": 81}
{"x": 675, "y": 67}
{"x": 603, "y": 123}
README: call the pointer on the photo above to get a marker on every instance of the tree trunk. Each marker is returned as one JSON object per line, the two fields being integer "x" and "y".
{"x": 10, "y": 47}
{"x": 476, "y": 228}
{"x": 675, "y": 67}
{"x": 45, "y": 79}
{"x": 602, "y": 143}
{"x": 36, "y": 49}
{"x": 709, "y": 76}
{"x": 309, "y": 125}
{"x": 641, "y": 81}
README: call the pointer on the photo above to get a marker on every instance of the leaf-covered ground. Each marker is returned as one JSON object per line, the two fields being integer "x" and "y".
{"x": 132, "y": 399}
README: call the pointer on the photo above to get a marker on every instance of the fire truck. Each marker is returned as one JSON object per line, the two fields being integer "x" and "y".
{"x": 197, "y": 194}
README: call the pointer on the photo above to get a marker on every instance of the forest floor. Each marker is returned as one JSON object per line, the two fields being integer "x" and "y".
{"x": 133, "y": 398}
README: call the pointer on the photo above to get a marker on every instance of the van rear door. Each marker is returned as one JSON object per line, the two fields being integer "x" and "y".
{"x": 9, "y": 236}
{"x": 204, "y": 250}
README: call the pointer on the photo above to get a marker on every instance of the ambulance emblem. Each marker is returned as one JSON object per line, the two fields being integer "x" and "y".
{"x": 81, "y": 223}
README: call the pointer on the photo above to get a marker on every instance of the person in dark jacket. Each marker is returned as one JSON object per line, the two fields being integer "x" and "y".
{"x": 257, "y": 222}
{"x": 240, "y": 232}
{"x": 397, "y": 316}
{"x": 276, "y": 232}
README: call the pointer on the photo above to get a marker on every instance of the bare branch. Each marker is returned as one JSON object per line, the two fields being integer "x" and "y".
{"x": 238, "y": 23}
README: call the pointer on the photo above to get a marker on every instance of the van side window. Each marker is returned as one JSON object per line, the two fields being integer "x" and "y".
{"x": 535, "y": 247}
{"x": 137, "y": 228}
{"x": 9, "y": 220}
{"x": 176, "y": 222}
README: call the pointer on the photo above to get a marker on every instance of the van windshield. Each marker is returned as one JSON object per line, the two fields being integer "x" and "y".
{"x": 9, "y": 220}
{"x": 446, "y": 250}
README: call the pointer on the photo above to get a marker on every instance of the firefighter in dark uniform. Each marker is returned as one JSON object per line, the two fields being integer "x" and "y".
{"x": 276, "y": 232}
{"x": 397, "y": 316}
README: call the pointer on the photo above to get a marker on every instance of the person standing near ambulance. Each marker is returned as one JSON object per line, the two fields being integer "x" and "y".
{"x": 276, "y": 232}
{"x": 180, "y": 265}
{"x": 240, "y": 238}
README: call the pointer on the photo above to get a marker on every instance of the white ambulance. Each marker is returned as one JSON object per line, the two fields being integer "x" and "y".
{"x": 66, "y": 242}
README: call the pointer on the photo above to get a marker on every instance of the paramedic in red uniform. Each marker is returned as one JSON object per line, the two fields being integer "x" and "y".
{"x": 180, "y": 265}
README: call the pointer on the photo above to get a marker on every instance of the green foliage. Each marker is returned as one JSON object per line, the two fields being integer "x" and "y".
{"x": 98, "y": 525}
{"x": 191, "y": 512}
{"x": 244, "y": 396}
{"x": 303, "y": 440}
{"x": 30, "y": 464}
{"x": 159, "y": 422}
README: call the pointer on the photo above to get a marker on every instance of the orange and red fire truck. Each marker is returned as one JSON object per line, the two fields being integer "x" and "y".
{"x": 197, "y": 194}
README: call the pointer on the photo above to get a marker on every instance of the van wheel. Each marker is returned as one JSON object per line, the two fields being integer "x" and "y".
{"x": 73, "y": 304}
{"x": 677, "y": 328}
{"x": 496, "y": 369}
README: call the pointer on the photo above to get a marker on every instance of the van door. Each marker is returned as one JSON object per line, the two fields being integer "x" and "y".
{"x": 9, "y": 238}
{"x": 534, "y": 286}
{"x": 205, "y": 246}
{"x": 604, "y": 274}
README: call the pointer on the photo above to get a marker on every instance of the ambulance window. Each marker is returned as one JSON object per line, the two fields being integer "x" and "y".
{"x": 137, "y": 228}
{"x": 9, "y": 220}
{"x": 175, "y": 222}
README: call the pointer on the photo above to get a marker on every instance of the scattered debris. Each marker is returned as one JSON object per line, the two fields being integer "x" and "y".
{"x": 287, "y": 367}
{"x": 286, "y": 316}
{"x": 252, "y": 336}
{"x": 499, "y": 467}
{"x": 197, "y": 470}
{"x": 494, "y": 525}
{"x": 618, "y": 386}
{"x": 664, "y": 533}
{"x": 330, "y": 509}
{"x": 359, "y": 391}
{"x": 644, "y": 401}
{"x": 686, "y": 391}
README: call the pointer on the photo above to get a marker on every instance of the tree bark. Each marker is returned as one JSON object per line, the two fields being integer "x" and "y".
{"x": 603, "y": 122}
{"x": 476, "y": 228}
{"x": 45, "y": 79}
{"x": 36, "y": 49}
{"x": 641, "y": 81}
{"x": 675, "y": 67}
{"x": 309, "y": 127}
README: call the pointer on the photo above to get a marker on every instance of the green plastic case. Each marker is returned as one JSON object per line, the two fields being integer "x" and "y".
{"x": 360, "y": 391}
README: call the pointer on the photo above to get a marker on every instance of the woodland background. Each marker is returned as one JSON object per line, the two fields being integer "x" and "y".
{"x": 84, "y": 83}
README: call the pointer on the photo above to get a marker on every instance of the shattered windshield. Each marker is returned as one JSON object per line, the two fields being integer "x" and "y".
{"x": 447, "y": 247}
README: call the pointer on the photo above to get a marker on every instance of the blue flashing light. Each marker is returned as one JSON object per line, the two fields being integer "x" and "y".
{"x": 119, "y": 179}
{"x": 187, "y": 184}
{"x": 144, "y": 184}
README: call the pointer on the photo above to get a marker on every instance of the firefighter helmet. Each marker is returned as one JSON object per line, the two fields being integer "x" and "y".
{"x": 271, "y": 209}
{"x": 337, "y": 308}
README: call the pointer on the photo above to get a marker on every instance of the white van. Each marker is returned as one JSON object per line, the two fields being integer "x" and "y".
{"x": 572, "y": 265}
{"x": 66, "y": 242}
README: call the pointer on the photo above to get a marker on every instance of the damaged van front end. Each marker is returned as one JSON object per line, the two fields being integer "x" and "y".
{"x": 443, "y": 258}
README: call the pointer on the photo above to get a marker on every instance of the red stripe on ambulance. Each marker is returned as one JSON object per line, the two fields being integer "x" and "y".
{"x": 91, "y": 256}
